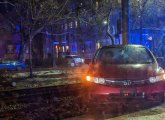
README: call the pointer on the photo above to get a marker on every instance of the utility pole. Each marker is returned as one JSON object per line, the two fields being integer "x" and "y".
{"x": 125, "y": 20}
{"x": 141, "y": 22}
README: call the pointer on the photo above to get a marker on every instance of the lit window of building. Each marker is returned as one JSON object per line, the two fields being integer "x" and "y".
{"x": 63, "y": 48}
{"x": 98, "y": 45}
{"x": 71, "y": 25}
{"x": 67, "y": 47}
{"x": 97, "y": 4}
{"x": 119, "y": 1}
{"x": 76, "y": 23}
{"x": 66, "y": 26}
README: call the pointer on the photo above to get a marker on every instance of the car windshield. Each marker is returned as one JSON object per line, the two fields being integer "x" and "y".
{"x": 75, "y": 56}
{"x": 124, "y": 55}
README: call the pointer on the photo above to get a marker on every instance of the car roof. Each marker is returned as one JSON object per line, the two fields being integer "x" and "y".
{"x": 118, "y": 46}
{"x": 71, "y": 55}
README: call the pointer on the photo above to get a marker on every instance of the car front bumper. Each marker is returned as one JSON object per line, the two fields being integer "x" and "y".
{"x": 120, "y": 94}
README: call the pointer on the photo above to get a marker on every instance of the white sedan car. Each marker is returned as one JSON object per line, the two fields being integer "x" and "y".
{"x": 74, "y": 60}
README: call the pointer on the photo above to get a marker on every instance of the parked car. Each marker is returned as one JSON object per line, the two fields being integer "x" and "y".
{"x": 74, "y": 60}
{"x": 119, "y": 74}
{"x": 12, "y": 65}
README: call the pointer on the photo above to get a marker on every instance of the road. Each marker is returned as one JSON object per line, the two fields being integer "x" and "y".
{"x": 151, "y": 113}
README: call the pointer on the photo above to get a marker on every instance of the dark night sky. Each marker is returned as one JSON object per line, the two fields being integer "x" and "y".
{"x": 6, "y": 7}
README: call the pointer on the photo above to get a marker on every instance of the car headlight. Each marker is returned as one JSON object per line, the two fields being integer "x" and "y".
{"x": 82, "y": 60}
{"x": 88, "y": 78}
{"x": 98, "y": 80}
{"x": 157, "y": 78}
{"x": 95, "y": 79}
{"x": 164, "y": 76}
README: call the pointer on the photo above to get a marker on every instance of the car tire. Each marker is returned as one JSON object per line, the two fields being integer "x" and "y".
{"x": 13, "y": 84}
{"x": 19, "y": 68}
{"x": 72, "y": 64}
{"x": 161, "y": 97}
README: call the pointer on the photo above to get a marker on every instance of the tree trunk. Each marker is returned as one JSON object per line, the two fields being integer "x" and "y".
{"x": 111, "y": 37}
{"x": 125, "y": 21}
{"x": 108, "y": 28}
{"x": 54, "y": 55}
{"x": 31, "y": 36}
{"x": 22, "y": 42}
{"x": 30, "y": 57}
{"x": 141, "y": 27}
{"x": 21, "y": 49}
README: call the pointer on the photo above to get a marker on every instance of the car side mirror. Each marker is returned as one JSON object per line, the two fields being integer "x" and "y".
{"x": 88, "y": 61}
{"x": 160, "y": 60}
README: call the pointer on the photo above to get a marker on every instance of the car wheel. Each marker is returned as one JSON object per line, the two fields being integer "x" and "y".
{"x": 19, "y": 68}
{"x": 72, "y": 64}
{"x": 160, "y": 97}
{"x": 13, "y": 84}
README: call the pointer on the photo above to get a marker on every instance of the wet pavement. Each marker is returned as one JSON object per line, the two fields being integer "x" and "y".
{"x": 146, "y": 111}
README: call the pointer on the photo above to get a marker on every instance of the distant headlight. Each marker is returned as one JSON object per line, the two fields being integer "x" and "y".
{"x": 157, "y": 78}
{"x": 153, "y": 79}
{"x": 14, "y": 63}
{"x": 98, "y": 80}
{"x": 82, "y": 60}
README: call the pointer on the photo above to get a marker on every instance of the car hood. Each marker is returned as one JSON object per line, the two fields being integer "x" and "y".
{"x": 126, "y": 71}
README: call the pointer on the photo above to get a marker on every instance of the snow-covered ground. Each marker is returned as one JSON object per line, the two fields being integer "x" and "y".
{"x": 52, "y": 71}
{"x": 45, "y": 78}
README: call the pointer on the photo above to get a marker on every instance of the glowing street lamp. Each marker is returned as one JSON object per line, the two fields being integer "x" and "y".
{"x": 150, "y": 38}
{"x": 105, "y": 22}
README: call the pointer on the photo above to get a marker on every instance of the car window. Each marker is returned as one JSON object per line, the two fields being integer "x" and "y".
{"x": 76, "y": 57}
{"x": 121, "y": 55}
{"x": 69, "y": 57}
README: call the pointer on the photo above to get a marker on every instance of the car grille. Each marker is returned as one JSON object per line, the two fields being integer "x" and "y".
{"x": 126, "y": 82}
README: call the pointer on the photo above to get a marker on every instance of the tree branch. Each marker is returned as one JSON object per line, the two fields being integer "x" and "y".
{"x": 6, "y": 2}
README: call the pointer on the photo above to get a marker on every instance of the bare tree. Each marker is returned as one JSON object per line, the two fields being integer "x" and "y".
{"x": 97, "y": 14}
{"x": 150, "y": 12}
{"x": 35, "y": 15}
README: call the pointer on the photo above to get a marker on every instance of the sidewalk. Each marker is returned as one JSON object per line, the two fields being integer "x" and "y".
{"x": 44, "y": 78}
{"x": 39, "y": 72}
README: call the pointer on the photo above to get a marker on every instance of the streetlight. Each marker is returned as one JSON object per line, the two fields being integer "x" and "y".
{"x": 150, "y": 38}
{"x": 152, "y": 42}
{"x": 105, "y": 22}
{"x": 140, "y": 16}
